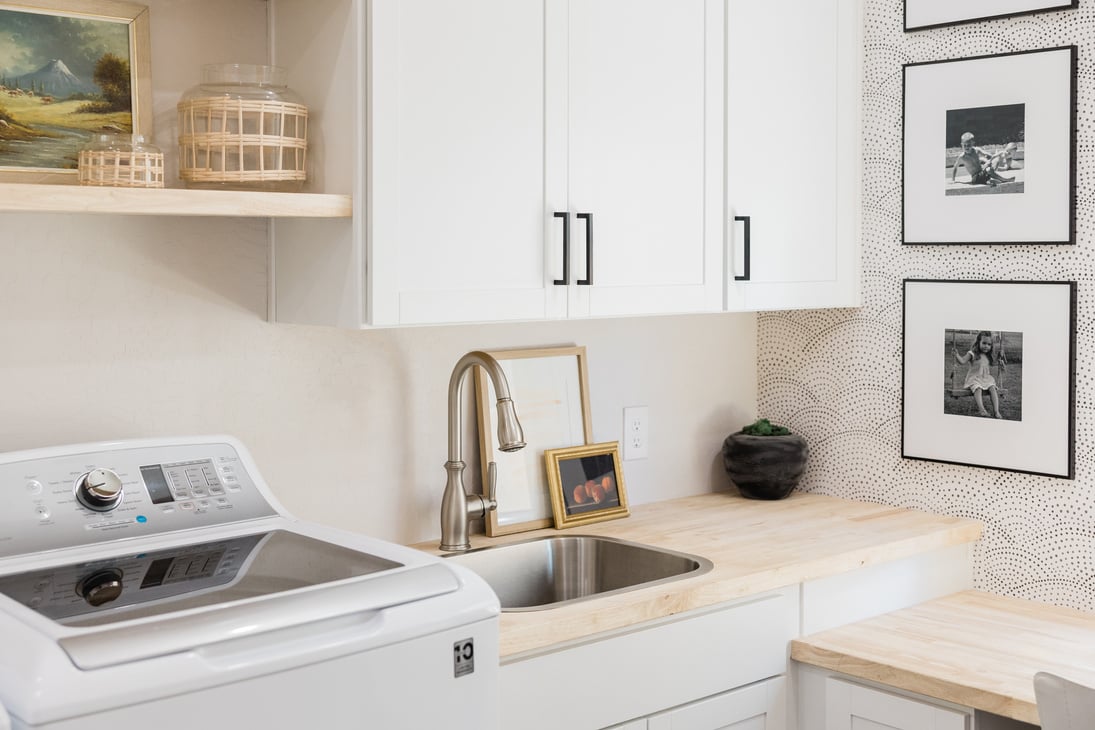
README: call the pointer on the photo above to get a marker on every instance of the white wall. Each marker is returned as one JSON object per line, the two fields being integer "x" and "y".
{"x": 835, "y": 375}
{"x": 124, "y": 327}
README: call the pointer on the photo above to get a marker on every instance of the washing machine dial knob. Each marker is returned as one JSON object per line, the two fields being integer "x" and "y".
{"x": 101, "y": 587}
{"x": 99, "y": 490}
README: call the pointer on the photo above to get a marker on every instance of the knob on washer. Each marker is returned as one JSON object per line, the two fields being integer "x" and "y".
{"x": 101, "y": 587}
{"x": 99, "y": 490}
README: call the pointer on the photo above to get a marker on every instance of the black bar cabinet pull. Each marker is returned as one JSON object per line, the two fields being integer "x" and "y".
{"x": 588, "y": 281}
{"x": 566, "y": 249}
{"x": 744, "y": 219}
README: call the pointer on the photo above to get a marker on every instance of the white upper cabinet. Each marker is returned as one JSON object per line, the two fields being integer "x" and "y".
{"x": 509, "y": 136}
{"x": 545, "y": 159}
{"x": 793, "y": 152}
{"x": 644, "y": 155}
{"x": 456, "y": 214}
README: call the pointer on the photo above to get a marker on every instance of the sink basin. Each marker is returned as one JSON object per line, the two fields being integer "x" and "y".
{"x": 551, "y": 571}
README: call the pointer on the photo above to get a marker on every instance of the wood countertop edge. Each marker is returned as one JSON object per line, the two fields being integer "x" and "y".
{"x": 530, "y": 633}
{"x": 523, "y": 633}
{"x": 914, "y": 681}
{"x": 973, "y": 648}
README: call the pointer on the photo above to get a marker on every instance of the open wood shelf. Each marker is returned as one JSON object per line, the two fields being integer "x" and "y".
{"x": 34, "y": 198}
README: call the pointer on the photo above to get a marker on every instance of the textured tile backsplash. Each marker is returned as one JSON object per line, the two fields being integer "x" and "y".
{"x": 835, "y": 375}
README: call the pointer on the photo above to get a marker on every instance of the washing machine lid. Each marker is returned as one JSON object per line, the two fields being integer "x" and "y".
{"x": 145, "y": 604}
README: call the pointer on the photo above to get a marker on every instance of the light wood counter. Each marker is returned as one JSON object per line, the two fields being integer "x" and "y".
{"x": 755, "y": 546}
{"x": 970, "y": 648}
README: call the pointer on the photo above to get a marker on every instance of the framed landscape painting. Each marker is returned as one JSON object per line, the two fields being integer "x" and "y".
{"x": 988, "y": 374}
{"x": 69, "y": 70}
{"x": 924, "y": 14}
{"x": 1004, "y": 127}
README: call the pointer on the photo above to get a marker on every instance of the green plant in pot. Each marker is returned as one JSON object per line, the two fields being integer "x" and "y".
{"x": 764, "y": 461}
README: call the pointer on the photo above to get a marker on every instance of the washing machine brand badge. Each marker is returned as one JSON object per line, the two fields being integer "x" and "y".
{"x": 463, "y": 657}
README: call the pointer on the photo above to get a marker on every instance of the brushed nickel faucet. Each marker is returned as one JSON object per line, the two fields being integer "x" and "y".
{"x": 457, "y": 506}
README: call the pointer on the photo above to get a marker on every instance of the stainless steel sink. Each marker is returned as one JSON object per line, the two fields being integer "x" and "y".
{"x": 551, "y": 571}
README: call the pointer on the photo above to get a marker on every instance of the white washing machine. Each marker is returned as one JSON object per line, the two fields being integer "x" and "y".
{"x": 158, "y": 584}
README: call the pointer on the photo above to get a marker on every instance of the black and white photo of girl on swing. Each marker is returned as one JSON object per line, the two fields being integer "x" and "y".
{"x": 993, "y": 367}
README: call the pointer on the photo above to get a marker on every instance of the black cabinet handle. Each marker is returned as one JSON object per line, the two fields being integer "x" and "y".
{"x": 566, "y": 250}
{"x": 744, "y": 219}
{"x": 588, "y": 281}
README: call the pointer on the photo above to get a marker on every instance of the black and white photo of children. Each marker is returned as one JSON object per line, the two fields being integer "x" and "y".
{"x": 986, "y": 150}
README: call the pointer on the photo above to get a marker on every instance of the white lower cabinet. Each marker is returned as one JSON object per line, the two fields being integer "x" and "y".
{"x": 760, "y": 706}
{"x": 717, "y": 668}
{"x": 850, "y": 706}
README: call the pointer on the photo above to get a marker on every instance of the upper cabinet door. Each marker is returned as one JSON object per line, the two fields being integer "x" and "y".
{"x": 457, "y": 220}
{"x": 793, "y": 151}
{"x": 644, "y": 160}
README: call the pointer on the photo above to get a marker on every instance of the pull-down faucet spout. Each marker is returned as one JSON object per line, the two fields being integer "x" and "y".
{"x": 457, "y": 506}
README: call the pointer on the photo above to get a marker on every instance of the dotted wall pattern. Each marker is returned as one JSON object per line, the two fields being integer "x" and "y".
{"x": 835, "y": 375}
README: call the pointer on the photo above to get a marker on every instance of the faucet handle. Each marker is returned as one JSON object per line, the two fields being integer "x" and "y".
{"x": 492, "y": 487}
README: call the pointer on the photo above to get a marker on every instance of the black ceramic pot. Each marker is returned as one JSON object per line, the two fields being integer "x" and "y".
{"x": 764, "y": 467}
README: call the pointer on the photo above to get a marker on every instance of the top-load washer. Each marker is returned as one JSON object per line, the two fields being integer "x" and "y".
{"x": 158, "y": 584}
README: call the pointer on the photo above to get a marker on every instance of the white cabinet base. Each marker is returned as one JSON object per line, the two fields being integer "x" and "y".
{"x": 761, "y": 706}
{"x": 851, "y": 706}
{"x": 647, "y": 670}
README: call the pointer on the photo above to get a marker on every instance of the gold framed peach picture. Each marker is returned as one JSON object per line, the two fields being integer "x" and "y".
{"x": 586, "y": 484}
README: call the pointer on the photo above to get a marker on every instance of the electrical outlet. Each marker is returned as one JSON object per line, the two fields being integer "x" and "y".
{"x": 636, "y": 433}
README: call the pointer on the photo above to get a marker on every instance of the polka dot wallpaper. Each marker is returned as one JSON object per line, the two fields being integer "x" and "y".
{"x": 835, "y": 375}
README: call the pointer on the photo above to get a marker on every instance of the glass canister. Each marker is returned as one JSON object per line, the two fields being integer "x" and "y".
{"x": 242, "y": 128}
{"x": 120, "y": 160}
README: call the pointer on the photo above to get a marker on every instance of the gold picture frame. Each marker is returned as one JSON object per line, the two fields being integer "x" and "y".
{"x": 48, "y": 112}
{"x": 586, "y": 484}
{"x": 550, "y": 390}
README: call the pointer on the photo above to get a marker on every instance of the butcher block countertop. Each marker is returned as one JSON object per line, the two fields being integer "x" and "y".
{"x": 756, "y": 546}
{"x": 970, "y": 648}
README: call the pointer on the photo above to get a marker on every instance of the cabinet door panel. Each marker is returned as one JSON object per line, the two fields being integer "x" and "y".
{"x": 645, "y": 153}
{"x": 750, "y": 708}
{"x": 793, "y": 150}
{"x": 853, "y": 707}
{"x": 457, "y": 215}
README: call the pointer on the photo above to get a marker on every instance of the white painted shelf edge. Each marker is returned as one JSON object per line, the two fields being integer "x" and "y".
{"x": 44, "y": 198}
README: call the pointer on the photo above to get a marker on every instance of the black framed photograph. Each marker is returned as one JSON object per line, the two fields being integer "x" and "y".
{"x": 1005, "y": 128}
{"x": 988, "y": 374}
{"x": 925, "y": 14}
{"x": 586, "y": 484}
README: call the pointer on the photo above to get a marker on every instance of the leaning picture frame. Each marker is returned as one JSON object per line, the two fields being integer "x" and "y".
{"x": 926, "y": 14}
{"x": 988, "y": 374}
{"x": 586, "y": 484}
{"x": 550, "y": 390}
{"x": 1005, "y": 128}
{"x": 71, "y": 69}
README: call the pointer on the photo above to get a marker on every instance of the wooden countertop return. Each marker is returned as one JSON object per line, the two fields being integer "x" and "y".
{"x": 970, "y": 648}
{"x": 756, "y": 546}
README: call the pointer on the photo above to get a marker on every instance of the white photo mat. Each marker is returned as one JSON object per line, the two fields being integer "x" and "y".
{"x": 1043, "y": 81}
{"x": 922, "y": 14}
{"x": 1044, "y": 312}
{"x": 550, "y": 391}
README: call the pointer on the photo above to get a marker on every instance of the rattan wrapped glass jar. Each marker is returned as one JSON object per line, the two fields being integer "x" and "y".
{"x": 242, "y": 129}
{"x": 121, "y": 161}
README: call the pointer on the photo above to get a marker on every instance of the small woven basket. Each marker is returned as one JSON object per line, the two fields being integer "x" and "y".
{"x": 245, "y": 143}
{"x": 120, "y": 168}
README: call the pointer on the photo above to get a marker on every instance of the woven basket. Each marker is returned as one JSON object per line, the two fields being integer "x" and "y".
{"x": 245, "y": 143}
{"x": 121, "y": 169}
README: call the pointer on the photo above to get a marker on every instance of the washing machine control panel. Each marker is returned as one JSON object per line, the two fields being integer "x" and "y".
{"x": 67, "y": 500}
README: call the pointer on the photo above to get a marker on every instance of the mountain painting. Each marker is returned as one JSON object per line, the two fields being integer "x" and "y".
{"x": 63, "y": 79}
